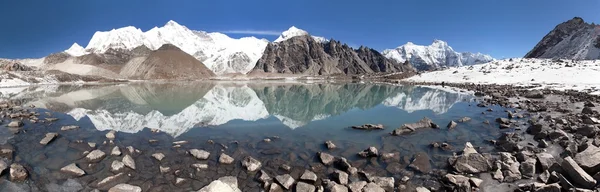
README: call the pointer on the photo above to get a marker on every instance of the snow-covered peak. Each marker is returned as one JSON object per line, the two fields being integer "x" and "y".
{"x": 123, "y": 38}
{"x": 76, "y": 50}
{"x": 437, "y": 55}
{"x": 295, "y": 32}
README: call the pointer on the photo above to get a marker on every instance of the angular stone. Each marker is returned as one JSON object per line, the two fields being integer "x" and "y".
{"x": 18, "y": 173}
{"x": 370, "y": 152}
{"x": 421, "y": 163}
{"x": 469, "y": 149}
{"x": 338, "y": 188}
{"x": 115, "y": 151}
{"x": 373, "y": 187}
{"x": 309, "y": 176}
{"x": 587, "y": 110}
{"x": 73, "y": 170}
{"x": 15, "y": 124}
{"x": 164, "y": 169}
{"x": 589, "y": 159}
{"x": 387, "y": 183}
{"x": 125, "y": 188}
{"x": 158, "y": 156}
{"x": 305, "y": 187}
{"x": 422, "y": 189}
{"x": 49, "y": 137}
{"x": 286, "y": 181}
{"x": 3, "y": 165}
{"x": 129, "y": 162}
{"x": 555, "y": 187}
{"x": 117, "y": 166}
{"x": 476, "y": 182}
{"x": 225, "y": 159}
{"x": 200, "y": 154}
{"x": 588, "y": 131}
{"x": 330, "y": 145}
{"x": 111, "y": 135}
{"x": 340, "y": 177}
{"x": 579, "y": 176}
{"x": 527, "y": 168}
{"x": 546, "y": 160}
{"x": 464, "y": 119}
{"x": 410, "y": 127}
{"x": 275, "y": 188}
{"x": 357, "y": 186}
{"x": 223, "y": 184}
{"x": 251, "y": 164}
{"x": 452, "y": 125}
{"x": 199, "y": 166}
{"x": 95, "y": 156}
{"x": 264, "y": 177}
{"x": 326, "y": 158}
{"x": 69, "y": 127}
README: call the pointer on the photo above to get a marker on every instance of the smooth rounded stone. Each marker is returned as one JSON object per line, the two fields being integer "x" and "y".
{"x": 200, "y": 154}
{"x": 330, "y": 145}
{"x": 111, "y": 135}
{"x": 223, "y": 184}
{"x": 326, "y": 158}
{"x": 95, "y": 156}
{"x": 340, "y": 177}
{"x": 164, "y": 169}
{"x": 305, "y": 187}
{"x": 452, "y": 125}
{"x": 158, "y": 156}
{"x": 357, "y": 186}
{"x": 15, "y": 124}
{"x": 115, "y": 151}
{"x": 117, "y": 166}
{"x": 309, "y": 176}
{"x": 577, "y": 174}
{"x": 69, "y": 127}
{"x": 370, "y": 152}
{"x": 129, "y": 162}
{"x": 251, "y": 164}
{"x": 125, "y": 188}
{"x": 286, "y": 181}
{"x": 73, "y": 169}
{"x": 589, "y": 159}
{"x": 373, "y": 187}
{"x": 421, "y": 163}
{"x": 49, "y": 137}
{"x": 225, "y": 159}
{"x": 18, "y": 173}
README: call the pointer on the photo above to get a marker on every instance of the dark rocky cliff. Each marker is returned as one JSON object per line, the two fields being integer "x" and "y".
{"x": 574, "y": 39}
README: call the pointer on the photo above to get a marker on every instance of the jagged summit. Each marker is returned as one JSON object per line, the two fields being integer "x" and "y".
{"x": 293, "y": 31}
{"x": 573, "y": 39}
{"x": 437, "y": 55}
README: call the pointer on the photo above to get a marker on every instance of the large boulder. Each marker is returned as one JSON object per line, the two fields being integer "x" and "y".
{"x": 577, "y": 174}
{"x": 589, "y": 159}
{"x": 421, "y": 163}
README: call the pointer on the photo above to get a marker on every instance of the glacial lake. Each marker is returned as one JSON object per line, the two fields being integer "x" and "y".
{"x": 237, "y": 117}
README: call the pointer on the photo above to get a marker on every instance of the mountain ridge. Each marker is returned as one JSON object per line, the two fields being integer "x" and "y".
{"x": 573, "y": 39}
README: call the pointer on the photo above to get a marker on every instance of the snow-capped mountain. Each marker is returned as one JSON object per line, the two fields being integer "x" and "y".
{"x": 76, "y": 50}
{"x": 217, "y": 51}
{"x": 294, "y": 32}
{"x": 437, "y": 55}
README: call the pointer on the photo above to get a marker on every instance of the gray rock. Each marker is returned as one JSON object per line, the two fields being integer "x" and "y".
{"x": 422, "y": 189}
{"x": 527, "y": 168}
{"x": 164, "y": 169}
{"x": 158, "y": 156}
{"x": 15, "y": 124}
{"x": 305, "y": 187}
{"x": 115, "y": 151}
{"x": 369, "y": 127}
{"x": 577, "y": 174}
{"x": 286, "y": 181}
{"x": 70, "y": 185}
{"x": 274, "y": 187}
{"x": 370, "y": 152}
{"x": 534, "y": 94}
{"x": 338, "y": 188}
{"x": 373, "y": 187}
{"x": 3, "y": 165}
{"x": 387, "y": 183}
{"x": 111, "y": 135}
{"x": 49, "y": 137}
{"x": 129, "y": 162}
{"x": 357, "y": 186}
{"x": 589, "y": 159}
{"x": 464, "y": 119}
{"x": 199, "y": 166}
{"x": 225, "y": 159}
{"x": 544, "y": 177}
{"x": 117, "y": 166}
{"x": 587, "y": 110}
{"x": 469, "y": 149}
{"x": 421, "y": 163}
{"x": 457, "y": 180}
{"x": 264, "y": 177}
{"x": 588, "y": 131}
{"x": 555, "y": 187}
{"x": 69, "y": 127}
{"x": 410, "y": 127}
{"x": 251, "y": 164}
{"x": 452, "y": 125}
{"x": 200, "y": 154}
{"x": 476, "y": 182}
{"x": 125, "y": 188}
{"x": 557, "y": 134}
{"x": 95, "y": 156}
{"x": 330, "y": 145}
{"x": 546, "y": 160}
{"x": 73, "y": 170}
{"x": 18, "y": 173}
{"x": 326, "y": 158}
{"x": 223, "y": 184}
{"x": 309, "y": 176}
{"x": 340, "y": 177}
{"x": 503, "y": 121}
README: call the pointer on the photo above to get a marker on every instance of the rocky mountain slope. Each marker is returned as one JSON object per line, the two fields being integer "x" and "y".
{"x": 437, "y": 55}
{"x": 307, "y": 55}
{"x": 217, "y": 51}
{"x": 574, "y": 39}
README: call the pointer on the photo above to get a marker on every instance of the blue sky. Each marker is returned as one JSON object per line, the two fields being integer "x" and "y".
{"x": 502, "y": 28}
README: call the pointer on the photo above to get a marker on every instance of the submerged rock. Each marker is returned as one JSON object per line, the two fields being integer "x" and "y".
{"x": 225, "y": 159}
{"x": 410, "y": 127}
{"x": 69, "y": 127}
{"x": 452, "y": 125}
{"x": 370, "y": 152}
{"x": 158, "y": 156}
{"x": 129, "y": 162}
{"x": 125, "y": 188}
{"x": 15, "y": 124}
{"x": 330, "y": 145}
{"x": 95, "y": 156}
{"x": 421, "y": 163}
{"x": 251, "y": 164}
{"x": 112, "y": 180}
{"x": 200, "y": 154}
{"x": 73, "y": 169}
{"x": 49, "y": 137}
{"x": 369, "y": 127}
{"x": 326, "y": 158}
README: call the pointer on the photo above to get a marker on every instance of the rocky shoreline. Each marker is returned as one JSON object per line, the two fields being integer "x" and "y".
{"x": 552, "y": 144}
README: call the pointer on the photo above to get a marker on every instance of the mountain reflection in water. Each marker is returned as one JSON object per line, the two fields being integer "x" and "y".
{"x": 175, "y": 108}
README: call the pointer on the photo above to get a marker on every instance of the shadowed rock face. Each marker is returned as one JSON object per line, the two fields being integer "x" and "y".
{"x": 304, "y": 55}
{"x": 573, "y": 39}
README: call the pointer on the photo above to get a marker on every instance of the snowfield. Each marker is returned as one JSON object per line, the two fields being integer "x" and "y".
{"x": 546, "y": 73}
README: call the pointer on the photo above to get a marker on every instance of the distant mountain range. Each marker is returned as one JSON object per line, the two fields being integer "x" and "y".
{"x": 573, "y": 39}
